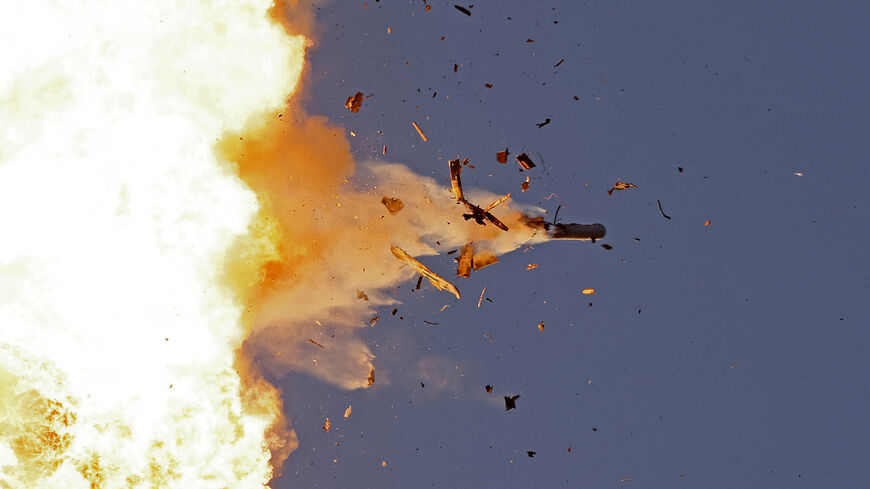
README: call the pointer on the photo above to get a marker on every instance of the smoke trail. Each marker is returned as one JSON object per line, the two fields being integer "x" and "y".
{"x": 322, "y": 237}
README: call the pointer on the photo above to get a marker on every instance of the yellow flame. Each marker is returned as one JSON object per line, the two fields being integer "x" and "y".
{"x": 117, "y": 348}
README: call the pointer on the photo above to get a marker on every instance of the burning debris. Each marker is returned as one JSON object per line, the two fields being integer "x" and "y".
{"x": 393, "y": 205}
{"x": 501, "y": 156}
{"x": 371, "y": 379}
{"x": 525, "y": 185}
{"x": 525, "y": 162}
{"x": 621, "y": 186}
{"x": 469, "y": 260}
{"x": 475, "y": 212}
{"x": 510, "y": 402}
{"x": 419, "y": 131}
{"x": 354, "y": 102}
{"x": 348, "y": 411}
{"x": 433, "y": 277}
{"x": 326, "y": 425}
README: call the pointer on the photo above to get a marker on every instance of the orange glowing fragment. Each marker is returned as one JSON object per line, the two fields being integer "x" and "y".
{"x": 348, "y": 411}
{"x": 501, "y": 156}
{"x": 525, "y": 162}
{"x": 541, "y": 326}
{"x": 531, "y": 266}
{"x": 326, "y": 425}
{"x": 383, "y": 463}
{"x": 588, "y": 291}
{"x": 525, "y": 185}
{"x": 373, "y": 321}
{"x": 707, "y": 222}
{"x": 433, "y": 277}
{"x": 464, "y": 267}
{"x": 481, "y": 297}
{"x": 371, "y": 379}
{"x": 621, "y": 186}
{"x": 419, "y": 131}
{"x": 354, "y": 102}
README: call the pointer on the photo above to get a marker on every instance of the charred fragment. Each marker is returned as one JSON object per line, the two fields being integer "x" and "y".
{"x": 510, "y": 402}
{"x": 393, "y": 205}
{"x": 315, "y": 343}
{"x": 501, "y": 156}
{"x": 525, "y": 162}
{"x": 463, "y": 10}
{"x": 542, "y": 124}
{"x": 488, "y": 388}
{"x": 433, "y": 277}
{"x": 480, "y": 215}
{"x": 621, "y": 186}
{"x": 355, "y": 102}
{"x": 371, "y": 377}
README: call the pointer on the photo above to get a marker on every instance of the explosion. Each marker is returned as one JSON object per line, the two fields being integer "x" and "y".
{"x": 169, "y": 214}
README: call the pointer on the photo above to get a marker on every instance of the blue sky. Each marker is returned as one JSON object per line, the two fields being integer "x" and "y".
{"x": 727, "y": 355}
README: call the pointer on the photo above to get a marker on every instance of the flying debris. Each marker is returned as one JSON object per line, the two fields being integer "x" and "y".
{"x": 419, "y": 131}
{"x": 488, "y": 388}
{"x": 393, "y": 205}
{"x": 525, "y": 162}
{"x": 541, "y": 326}
{"x": 483, "y": 259}
{"x": 480, "y": 215}
{"x": 531, "y": 453}
{"x": 463, "y": 10}
{"x": 315, "y": 343}
{"x": 326, "y": 425}
{"x": 371, "y": 377}
{"x": 621, "y": 186}
{"x": 525, "y": 185}
{"x": 659, "y": 202}
{"x": 510, "y": 402}
{"x": 433, "y": 277}
{"x": 589, "y": 291}
{"x": 354, "y": 102}
{"x": 501, "y": 156}
{"x": 566, "y": 231}
{"x": 464, "y": 267}
{"x": 542, "y": 124}
{"x": 373, "y": 321}
{"x": 348, "y": 411}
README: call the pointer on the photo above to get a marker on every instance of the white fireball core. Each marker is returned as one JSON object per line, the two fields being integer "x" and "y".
{"x": 116, "y": 344}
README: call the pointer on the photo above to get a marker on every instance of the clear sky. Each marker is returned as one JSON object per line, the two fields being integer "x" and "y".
{"x": 727, "y": 355}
